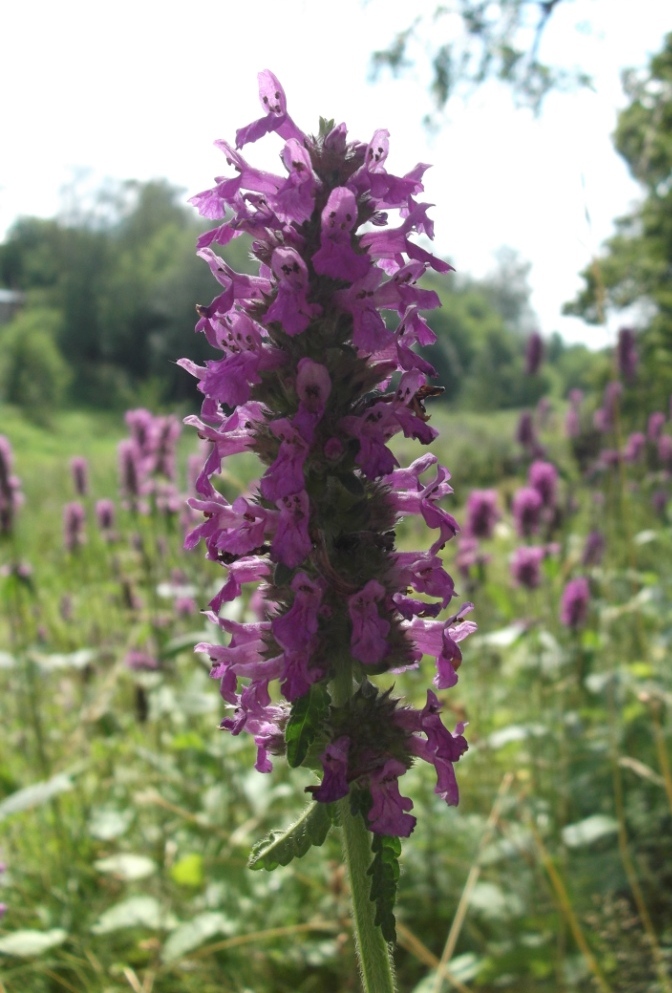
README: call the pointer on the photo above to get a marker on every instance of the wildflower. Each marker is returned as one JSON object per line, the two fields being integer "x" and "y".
{"x": 543, "y": 477}
{"x": 635, "y": 446}
{"x": 79, "y": 467}
{"x": 626, "y": 354}
{"x": 105, "y": 513}
{"x": 73, "y": 526}
{"x": 593, "y": 549}
{"x": 11, "y": 497}
{"x": 307, "y": 372}
{"x": 140, "y": 661}
{"x": 604, "y": 417}
{"x": 482, "y": 513}
{"x": 526, "y": 565}
{"x": 534, "y": 353}
{"x": 655, "y": 425}
{"x": 527, "y": 506}
{"x": 574, "y": 603}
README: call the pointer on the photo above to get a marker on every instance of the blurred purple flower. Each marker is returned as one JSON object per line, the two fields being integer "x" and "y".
{"x": 482, "y": 513}
{"x": 79, "y": 468}
{"x": 626, "y": 354}
{"x": 11, "y": 497}
{"x": 655, "y": 426}
{"x": 593, "y": 550}
{"x": 527, "y": 507}
{"x": 574, "y": 603}
{"x": 543, "y": 477}
{"x": 526, "y": 565}
{"x": 74, "y": 519}
{"x": 534, "y": 353}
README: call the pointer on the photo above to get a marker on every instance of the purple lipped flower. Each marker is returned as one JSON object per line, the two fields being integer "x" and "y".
{"x": 574, "y": 603}
{"x": 317, "y": 383}
{"x": 482, "y": 513}
{"x": 389, "y": 811}
{"x": 369, "y": 629}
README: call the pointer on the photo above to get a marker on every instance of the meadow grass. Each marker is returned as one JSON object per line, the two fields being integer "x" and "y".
{"x": 127, "y": 818}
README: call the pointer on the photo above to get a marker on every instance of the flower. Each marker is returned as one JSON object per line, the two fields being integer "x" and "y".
{"x": 11, "y": 497}
{"x": 79, "y": 468}
{"x": 626, "y": 354}
{"x": 527, "y": 506}
{"x": 482, "y": 513}
{"x": 316, "y": 383}
{"x": 526, "y": 565}
{"x": 73, "y": 526}
{"x": 574, "y": 603}
{"x": 534, "y": 353}
{"x": 543, "y": 477}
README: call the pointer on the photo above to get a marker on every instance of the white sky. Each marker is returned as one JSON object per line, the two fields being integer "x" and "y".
{"x": 141, "y": 90}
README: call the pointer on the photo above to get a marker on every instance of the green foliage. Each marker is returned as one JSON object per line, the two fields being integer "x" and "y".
{"x": 127, "y": 818}
{"x": 305, "y": 722}
{"x": 33, "y": 373}
{"x": 384, "y": 872}
{"x": 472, "y": 42}
{"x": 636, "y": 266}
{"x": 281, "y": 847}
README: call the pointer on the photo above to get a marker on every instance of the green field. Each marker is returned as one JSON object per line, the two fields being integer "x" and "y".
{"x": 127, "y": 818}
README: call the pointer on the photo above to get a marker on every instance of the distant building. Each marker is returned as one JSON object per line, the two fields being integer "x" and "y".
{"x": 10, "y": 302}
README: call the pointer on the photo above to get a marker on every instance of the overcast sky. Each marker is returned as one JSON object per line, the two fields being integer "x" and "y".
{"x": 141, "y": 90}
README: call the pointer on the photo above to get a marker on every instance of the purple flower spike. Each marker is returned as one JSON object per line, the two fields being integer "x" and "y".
{"x": 534, "y": 353}
{"x": 482, "y": 513}
{"x": 574, "y": 603}
{"x": 317, "y": 371}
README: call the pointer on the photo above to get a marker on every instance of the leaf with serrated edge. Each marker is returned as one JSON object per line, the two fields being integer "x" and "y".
{"x": 279, "y": 848}
{"x": 384, "y": 872}
{"x": 306, "y": 719}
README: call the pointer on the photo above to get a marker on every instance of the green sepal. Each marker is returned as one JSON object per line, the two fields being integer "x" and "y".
{"x": 307, "y": 719}
{"x": 384, "y": 872}
{"x": 280, "y": 847}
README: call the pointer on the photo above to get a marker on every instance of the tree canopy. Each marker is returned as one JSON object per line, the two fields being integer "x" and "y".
{"x": 635, "y": 269}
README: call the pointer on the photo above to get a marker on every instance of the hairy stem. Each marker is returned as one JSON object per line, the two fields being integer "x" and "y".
{"x": 373, "y": 953}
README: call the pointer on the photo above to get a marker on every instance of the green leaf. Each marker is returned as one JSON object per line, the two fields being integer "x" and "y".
{"x": 589, "y": 830}
{"x": 384, "y": 872}
{"x": 107, "y": 823}
{"x": 193, "y": 933}
{"x": 137, "y": 911}
{"x": 280, "y": 847}
{"x": 25, "y": 944}
{"x": 127, "y": 866}
{"x": 188, "y": 871}
{"x": 306, "y": 720}
{"x": 35, "y": 795}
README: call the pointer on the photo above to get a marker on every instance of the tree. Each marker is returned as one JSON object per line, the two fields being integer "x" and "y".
{"x": 467, "y": 42}
{"x": 635, "y": 270}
